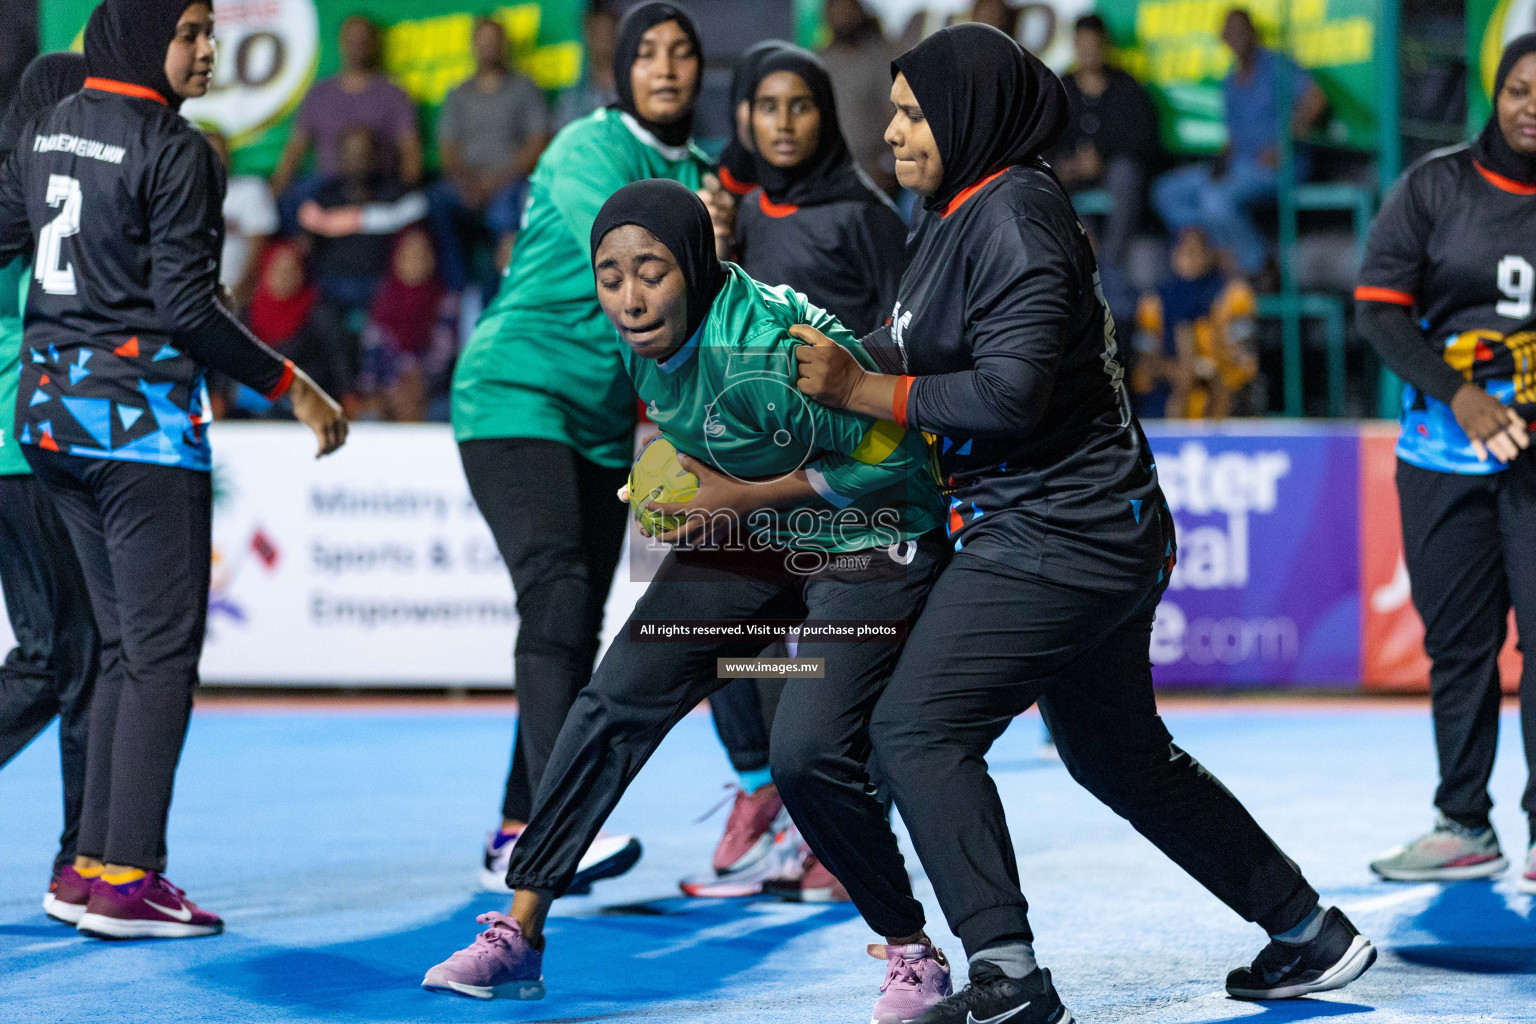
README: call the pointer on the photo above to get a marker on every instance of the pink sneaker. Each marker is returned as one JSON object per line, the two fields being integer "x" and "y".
{"x": 916, "y": 978}
{"x": 749, "y": 830}
{"x": 148, "y": 908}
{"x": 68, "y": 893}
{"x": 1527, "y": 880}
{"x": 500, "y": 962}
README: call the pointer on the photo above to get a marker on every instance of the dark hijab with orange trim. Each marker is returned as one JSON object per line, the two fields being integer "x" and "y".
{"x": 991, "y": 104}
{"x": 127, "y": 40}
{"x": 1492, "y": 149}
{"x": 740, "y": 173}
{"x": 829, "y": 174}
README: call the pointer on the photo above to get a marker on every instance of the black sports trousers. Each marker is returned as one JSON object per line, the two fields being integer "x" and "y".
{"x": 991, "y": 642}
{"x": 52, "y": 669}
{"x": 743, "y": 713}
{"x": 820, "y": 742}
{"x": 559, "y": 526}
{"x": 143, "y": 535}
{"x": 1470, "y": 545}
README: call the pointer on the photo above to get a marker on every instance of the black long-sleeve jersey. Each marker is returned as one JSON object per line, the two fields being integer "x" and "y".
{"x": 124, "y": 199}
{"x": 1455, "y": 246}
{"x": 1008, "y": 354}
{"x": 846, "y": 257}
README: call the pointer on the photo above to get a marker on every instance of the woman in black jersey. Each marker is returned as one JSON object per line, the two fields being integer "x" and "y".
{"x": 1000, "y": 344}
{"x": 1446, "y": 297}
{"x": 817, "y": 224}
{"x": 124, "y": 197}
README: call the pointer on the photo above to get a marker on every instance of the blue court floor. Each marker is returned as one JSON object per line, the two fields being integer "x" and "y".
{"x": 341, "y": 848}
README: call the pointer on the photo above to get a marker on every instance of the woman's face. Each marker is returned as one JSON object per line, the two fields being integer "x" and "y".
{"x": 1517, "y": 106}
{"x": 642, "y": 291}
{"x": 665, "y": 73}
{"x": 415, "y": 263}
{"x": 785, "y": 119}
{"x": 918, "y": 165}
{"x": 285, "y": 274}
{"x": 189, "y": 58}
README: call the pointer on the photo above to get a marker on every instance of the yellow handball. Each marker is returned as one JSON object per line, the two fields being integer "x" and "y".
{"x": 658, "y": 476}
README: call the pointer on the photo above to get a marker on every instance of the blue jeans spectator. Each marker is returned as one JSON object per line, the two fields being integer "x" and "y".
{"x": 503, "y": 216}
{"x": 1194, "y": 197}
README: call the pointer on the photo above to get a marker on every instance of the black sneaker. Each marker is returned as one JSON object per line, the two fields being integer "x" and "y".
{"x": 1285, "y": 970}
{"x": 994, "y": 998}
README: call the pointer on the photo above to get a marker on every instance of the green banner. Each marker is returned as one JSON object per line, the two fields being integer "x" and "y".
{"x": 1175, "y": 47}
{"x": 1491, "y": 24}
{"x": 272, "y": 51}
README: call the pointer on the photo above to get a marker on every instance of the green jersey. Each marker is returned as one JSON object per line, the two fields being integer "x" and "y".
{"x": 13, "y": 299}
{"x": 542, "y": 362}
{"x": 728, "y": 397}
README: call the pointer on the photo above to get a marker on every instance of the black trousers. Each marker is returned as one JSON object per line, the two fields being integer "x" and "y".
{"x": 743, "y": 712}
{"x": 992, "y": 642}
{"x": 820, "y": 741}
{"x": 559, "y": 526}
{"x": 52, "y": 669}
{"x": 1470, "y": 545}
{"x": 143, "y": 535}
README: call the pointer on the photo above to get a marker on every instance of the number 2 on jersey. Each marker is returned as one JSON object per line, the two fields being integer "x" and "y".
{"x": 54, "y": 273}
{"x": 1517, "y": 281}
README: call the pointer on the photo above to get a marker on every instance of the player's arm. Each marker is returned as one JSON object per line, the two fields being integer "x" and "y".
{"x": 1023, "y": 284}
{"x": 184, "y": 223}
{"x": 15, "y": 231}
{"x": 1395, "y": 257}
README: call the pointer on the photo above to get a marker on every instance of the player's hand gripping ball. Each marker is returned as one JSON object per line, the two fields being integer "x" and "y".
{"x": 658, "y": 476}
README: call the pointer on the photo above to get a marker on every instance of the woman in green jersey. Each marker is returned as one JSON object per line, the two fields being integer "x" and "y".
{"x": 802, "y": 513}
{"x": 544, "y": 413}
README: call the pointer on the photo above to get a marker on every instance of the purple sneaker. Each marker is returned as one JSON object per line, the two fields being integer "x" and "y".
{"x": 500, "y": 962}
{"x": 146, "y": 908}
{"x": 916, "y": 978}
{"x": 68, "y": 893}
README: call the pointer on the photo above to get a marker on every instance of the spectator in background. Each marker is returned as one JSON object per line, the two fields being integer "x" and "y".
{"x": 490, "y": 133}
{"x": 599, "y": 26}
{"x": 1219, "y": 196}
{"x": 412, "y": 335}
{"x": 285, "y": 312}
{"x": 1111, "y": 140}
{"x": 357, "y": 96}
{"x": 354, "y": 217}
{"x": 250, "y": 221}
{"x": 1000, "y": 14}
{"x": 1194, "y": 337}
{"x": 859, "y": 60}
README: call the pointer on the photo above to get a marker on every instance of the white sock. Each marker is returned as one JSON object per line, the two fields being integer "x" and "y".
{"x": 1015, "y": 959}
{"x": 1304, "y": 932}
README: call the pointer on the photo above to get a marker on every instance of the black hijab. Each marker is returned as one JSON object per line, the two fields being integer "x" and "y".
{"x": 737, "y": 158}
{"x": 669, "y": 210}
{"x": 126, "y": 41}
{"x": 829, "y": 173}
{"x": 991, "y": 103}
{"x": 1492, "y": 149}
{"x": 48, "y": 79}
{"x": 635, "y": 24}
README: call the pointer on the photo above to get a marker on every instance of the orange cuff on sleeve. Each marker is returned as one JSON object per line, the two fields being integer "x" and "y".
{"x": 1369, "y": 293}
{"x": 899, "y": 402}
{"x": 731, "y": 185}
{"x": 283, "y": 383}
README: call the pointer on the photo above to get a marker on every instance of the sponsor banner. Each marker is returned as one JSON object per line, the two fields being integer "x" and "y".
{"x": 1266, "y": 590}
{"x": 1491, "y": 24}
{"x": 1392, "y": 634}
{"x": 272, "y": 51}
{"x": 1175, "y": 47}
{"x": 375, "y": 568}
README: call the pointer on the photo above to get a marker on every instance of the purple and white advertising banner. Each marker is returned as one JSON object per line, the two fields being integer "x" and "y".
{"x": 1267, "y": 586}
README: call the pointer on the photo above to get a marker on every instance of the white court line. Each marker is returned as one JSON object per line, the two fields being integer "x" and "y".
{"x": 728, "y": 930}
{"x": 1392, "y": 899}
{"x": 38, "y": 947}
